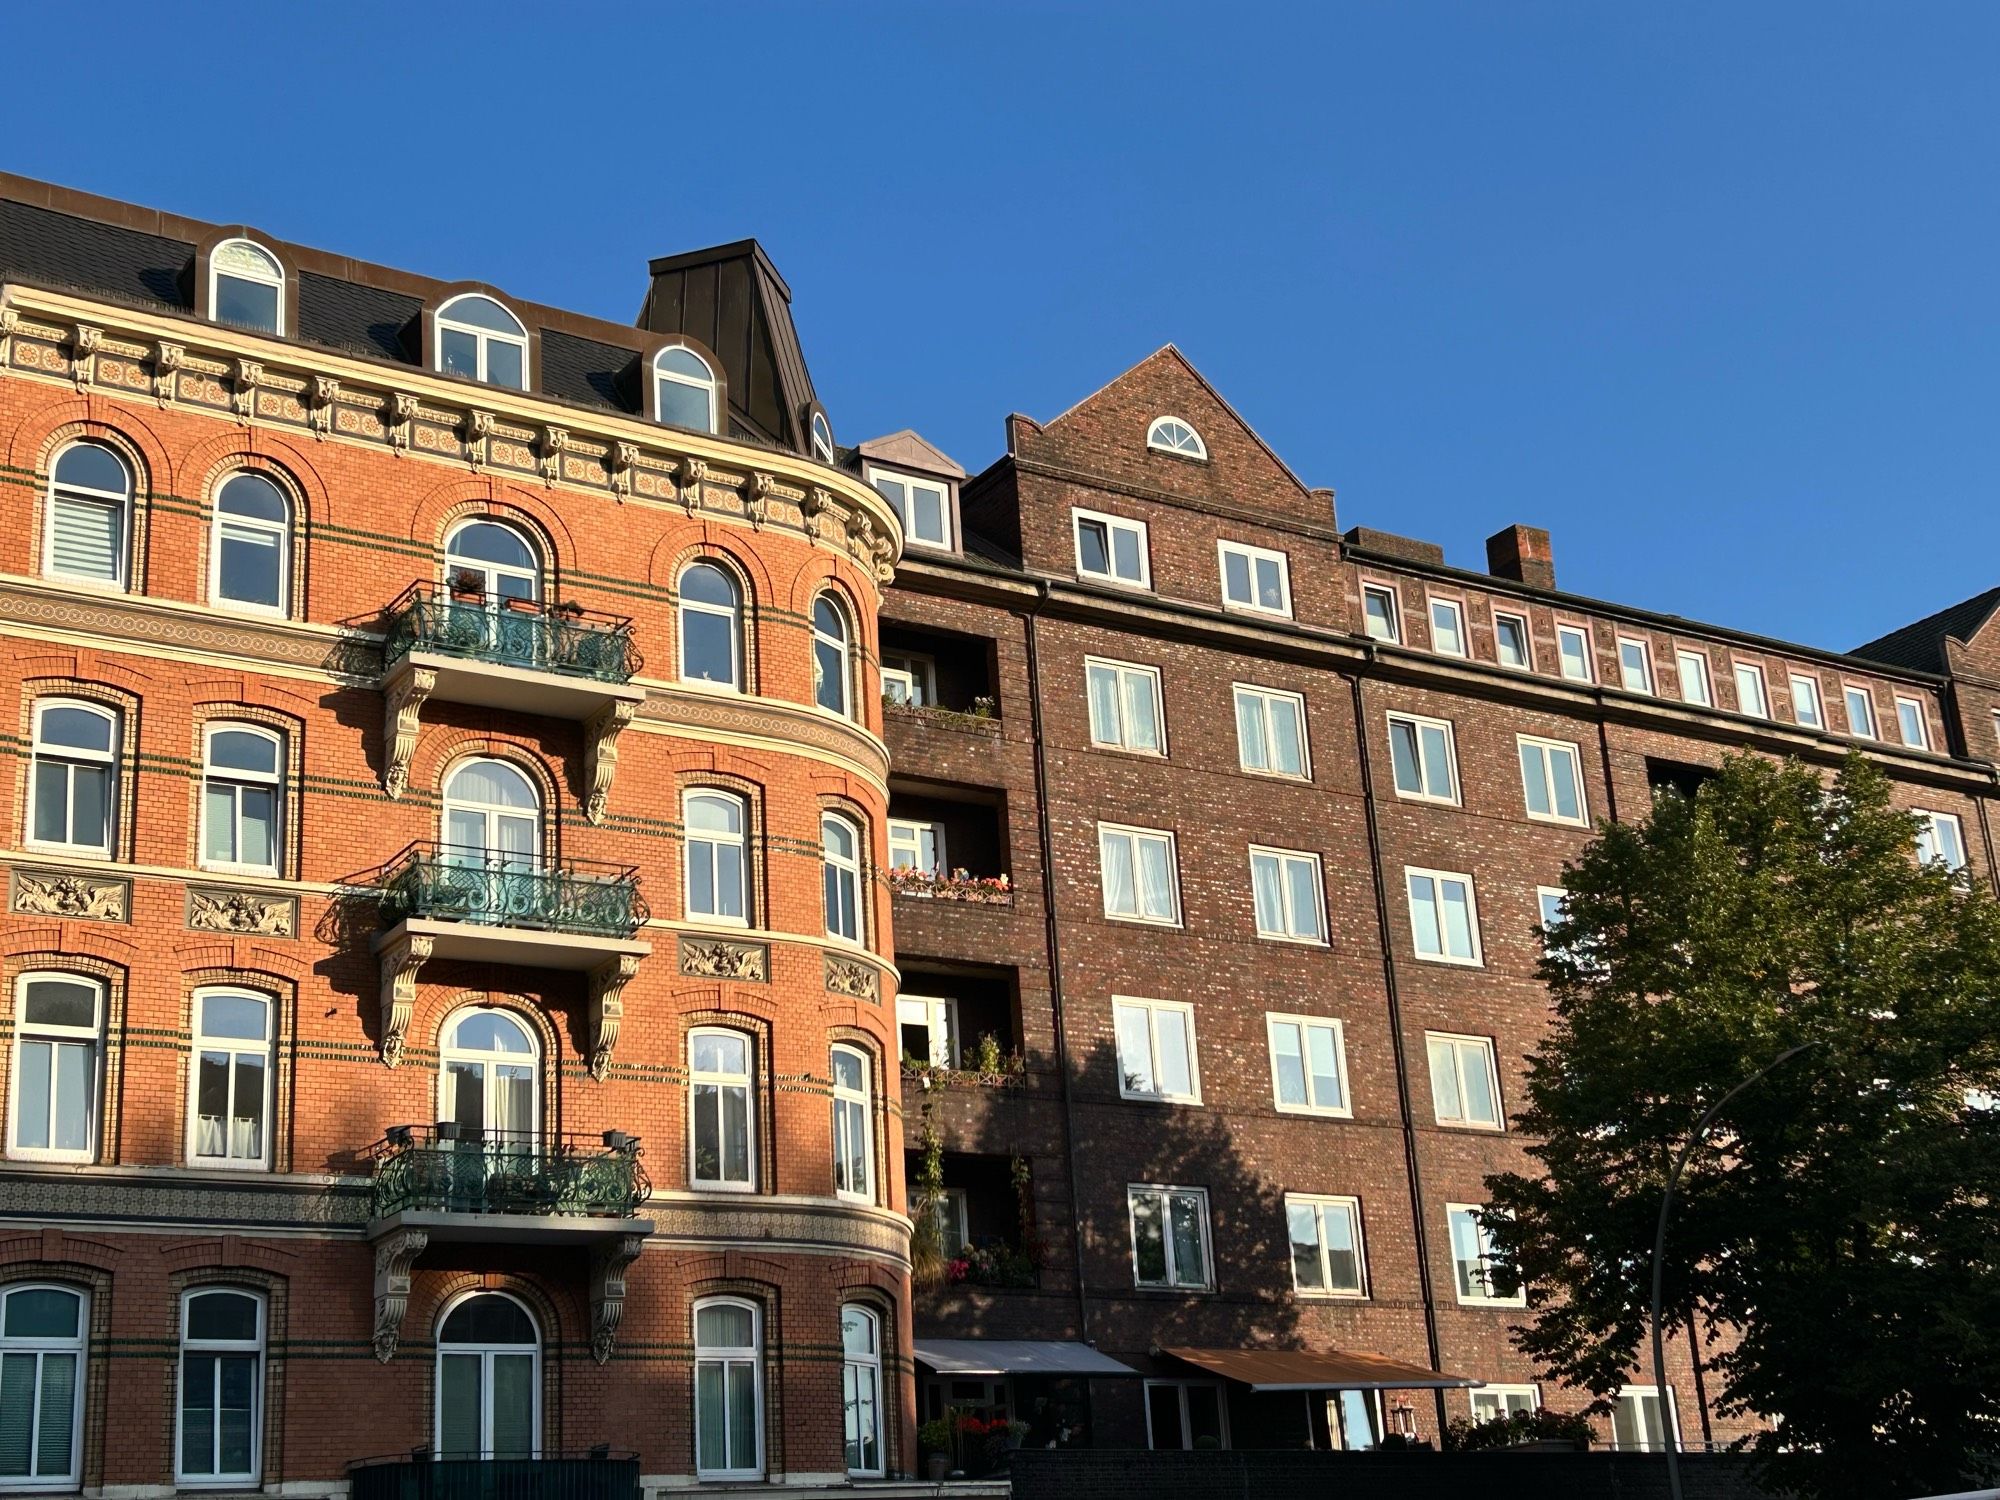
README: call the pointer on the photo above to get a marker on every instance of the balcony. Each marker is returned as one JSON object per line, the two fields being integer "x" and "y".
{"x": 443, "y": 1170}
{"x": 596, "y": 1475}
{"x": 447, "y": 901}
{"x": 520, "y": 655}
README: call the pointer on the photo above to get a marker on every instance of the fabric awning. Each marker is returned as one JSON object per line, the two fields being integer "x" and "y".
{"x": 1015, "y": 1357}
{"x": 1311, "y": 1370}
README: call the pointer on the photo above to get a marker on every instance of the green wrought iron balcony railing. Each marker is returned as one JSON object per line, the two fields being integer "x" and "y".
{"x": 527, "y": 633}
{"x": 460, "y": 883}
{"x": 598, "y": 1474}
{"x": 446, "y": 1168}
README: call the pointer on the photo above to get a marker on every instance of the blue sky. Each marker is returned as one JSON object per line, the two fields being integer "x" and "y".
{"x": 1708, "y": 290}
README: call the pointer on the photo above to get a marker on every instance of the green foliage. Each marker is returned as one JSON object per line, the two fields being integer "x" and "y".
{"x": 1839, "y": 1225}
{"x": 1538, "y": 1426}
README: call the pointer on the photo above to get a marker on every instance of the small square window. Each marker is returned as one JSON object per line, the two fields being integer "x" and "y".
{"x": 1860, "y": 711}
{"x": 1444, "y": 916}
{"x": 1255, "y": 578}
{"x": 1422, "y": 757}
{"x": 1910, "y": 721}
{"x": 1635, "y": 666}
{"x": 1112, "y": 549}
{"x": 924, "y": 506}
{"x": 1125, "y": 709}
{"x": 1573, "y": 646}
{"x": 1552, "y": 781}
{"x": 1750, "y": 696}
{"x": 1510, "y": 641}
{"x": 1465, "y": 1080}
{"x": 1156, "y": 1051}
{"x": 1805, "y": 702}
{"x": 1693, "y": 667}
{"x": 1378, "y": 609}
{"x": 1447, "y": 627}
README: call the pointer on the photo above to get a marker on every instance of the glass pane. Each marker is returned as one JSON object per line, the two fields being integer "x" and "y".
{"x": 488, "y": 1320}
{"x": 491, "y": 1031}
{"x": 198, "y": 1413}
{"x": 1291, "y": 1069}
{"x": 684, "y": 405}
{"x": 1250, "y": 732}
{"x": 513, "y": 1405}
{"x": 1534, "y": 780}
{"x": 458, "y": 352}
{"x": 1457, "y": 918}
{"x": 1149, "y": 1242}
{"x": 1343, "y": 1264}
{"x": 1302, "y": 886}
{"x": 218, "y": 811}
{"x": 247, "y": 304}
{"x": 701, "y": 878}
{"x": 239, "y": 750}
{"x": 91, "y": 810}
{"x": 56, "y": 1448}
{"x": 1562, "y": 769}
{"x": 31, "y": 1108}
{"x": 1156, "y": 878}
{"x": 721, "y": 1052}
{"x": 830, "y": 676}
{"x": 211, "y": 1104}
{"x": 1304, "y": 1223}
{"x": 1121, "y": 895}
{"x": 87, "y": 538}
{"x": 736, "y": 1134}
{"x": 255, "y": 497}
{"x": 465, "y": 1089}
{"x": 927, "y": 518}
{"x": 1267, "y": 893}
{"x": 1141, "y": 715}
{"x": 708, "y": 646}
{"x": 222, "y": 1316}
{"x": 236, "y": 1436}
{"x": 51, "y": 822}
{"x": 17, "y": 1416}
{"x": 71, "y": 1127}
{"x": 91, "y": 467}
{"x": 1104, "y": 706}
{"x": 244, "y": 1016}
{"x": 1092, "y": 551}
{"x": 1270, "y": 584}
{"x": 857, "y": 1331}
{"x": 1287, "y": 740}
{"x": 1163, "y": 1408}
{"x": 1437, "y": 761}
{"x": 61, "y": 1002}
{"x": 704, "y": 583}
{"x": 493, "y": 783}
{"x": 1479, "y": 1104}
{"x": 1380, "y": 613}
{"x": 863, "y": 1422}
{"x": 724, "y": 1325}
{"x": 1176, "y": 1059}
{"x": 1190, "y": 1267}
{"x": 1403, "y": 756}
{"x": 505, "y": 363}
{"x": 715, "y": 814}
{"x": 1236, "y": 578}
{"x": 1444, "y": 1080}
{"x": 459, "y": 1402}
{"x": 711, "y": 1418}
{"x": 1125, "y": 553}
{"x": 1204, "y": 1404}
{"x": 249, "y": 565}
{"x": 1135, "y": 1060}
{"x": 259, "y": 829}
{"x": 1357, "y": 1420}
{"x": 1325, "y": 1067}
{"x": 43, "y": 1313}
{"x": 1424, "y": 916}
{"x": 742, "y": 1416}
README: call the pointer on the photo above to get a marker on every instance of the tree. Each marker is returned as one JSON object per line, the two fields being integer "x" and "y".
{"x": 1836, "y": 1239}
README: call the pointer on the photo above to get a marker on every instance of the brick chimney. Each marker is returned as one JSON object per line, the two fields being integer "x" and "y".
{"x": 1522, "y": 553}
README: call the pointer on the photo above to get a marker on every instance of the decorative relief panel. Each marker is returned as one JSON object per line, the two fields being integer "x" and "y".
{"x": 60, "y": 893}
{"x": 720, "y": 958}
{"x": 852, "y": 978}
{"x": 210, "y": 909}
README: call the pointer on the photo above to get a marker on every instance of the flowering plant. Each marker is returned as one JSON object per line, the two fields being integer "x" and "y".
{"x": 960, "y": 885}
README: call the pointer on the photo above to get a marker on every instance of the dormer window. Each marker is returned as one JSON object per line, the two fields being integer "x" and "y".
{"x": 480, "y": 339}
{"x": 924, "y": 506}
{"x": 684, "y": 389}
{"x": 1172, "y": 435}
{"x": 822, "y": 438}
{"x": 246, "y": 287}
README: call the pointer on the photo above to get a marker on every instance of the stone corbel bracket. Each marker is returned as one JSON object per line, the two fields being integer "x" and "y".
{"x": 608, "y": 1265}
{"x": 400, "y": 962}
{"x": 555, "y": 443}
{"x": 693, "y": 473}
{"x": 326, "y": 396}
{"x": 402, "y": 418}
{"x": 395, "y": 1253}
{"x": 402, "y": 706}
{"x": 249, "y": 375}
{"x": 607, "y": 1009}
{"x": 10, "y": 324}
{"x": 83, "y": 363}
{"x": 624, "y": 460}
{"x": 478, "y": 432}
{"x": 601, "y": 754}
{"x": 166, "y": 365}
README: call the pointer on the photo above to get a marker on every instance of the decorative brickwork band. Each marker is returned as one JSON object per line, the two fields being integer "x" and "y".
{"x": 601, "y": 758}
{"x": 402, "y": 704}
{"x": 608, "y": 1265}
{"x": 400, "y": 962}
{"x": 395, "y": 1253}
{"x": 61, "y": 894}
{"x": 715, "y": 958}
{"x": 607, "y": 1009}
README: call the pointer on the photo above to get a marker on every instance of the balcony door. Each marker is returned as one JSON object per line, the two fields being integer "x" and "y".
{"x": 490, "y": 1065}
{"x": 492, "y": 837}
{"x": 488, "y": 1381}
{"x": 487, "y": 564}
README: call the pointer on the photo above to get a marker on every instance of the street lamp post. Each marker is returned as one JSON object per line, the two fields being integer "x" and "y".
{"x": 1672, "y": 1434}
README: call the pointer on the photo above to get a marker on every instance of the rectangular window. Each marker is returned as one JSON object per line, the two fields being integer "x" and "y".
{"x": 1491, "y": 1401}
{"x": 1910, "y": 720}
{"x": 1255, "y": 578}
{"x": 1465, "y": 1080}
{"x": 909, "y": 679}
{"x": 1111, "y": 549}
{"x": 1510, "y": 641}
{"x": 1137, "y": 866}
{"x": 953, "y": 1235}
{"x": 1693, "y": 667}
{"x": 1573, "y": 647}
{"x": 1379, "y": 612}
{"x": 1939, "y": 838}
{"x": 916, "y": 845}
{"x": 86, "y": 539}
{"x": 1308, "y": 1065}
{"x": 1271, "y": 732}
{"x": 1549, "y": 899}
{"x": 1636, "y": 1421}
{"x": 1444, "y": 918}
{"x": 923, "y": 504}
{"x": 1750, "y": 697}
{"x": 55, "y": 1068}
{"x": 1447, "y": 627}
{"x": 929, "y": 1029}
{"x": 1125, "y": 706}
{"x": 1156, "y": 1054}
{"x": 1285, "y": 888}
{"x": 1860, "y": 711}
{"x": 1327, "y": 1260}
{"x": 1423, "y": 758}
{"x": 1479, "y": 1279}
{"x": 1169, "y": 1236}
{"x": 1635, "y": 666}
{"x": 1182, "y": 1415}
{"x": 1805, "y": 702}
{"x": 1552, "y": 781}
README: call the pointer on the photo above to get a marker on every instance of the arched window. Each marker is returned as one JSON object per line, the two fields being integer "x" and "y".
{"x": 58, "y": 1021}
{"x": 489, "y": 1379}
{"x": 73, "y": 783}
{"x": 479, "y": 338}
{"x": 718, "y": 886}
{"x": 861, "y": 1388}
{"x": 229, "y": 1123}
{"x": 711, "y": 627}
{"x": 42, "y": 1332}
{"x": 840, "y": 849}
{"x": 1172, "y": 435}
{"x": 222, "y": 1387}
{"x": 822, "y": 438}
{"x": 242, "y": 798}
{"x": 684, "y": 389}
{"x": 246, "y": 286}
{"x": 832, "y": 665}
{"x": 853, "y": 1137}
{"x": 250, "y": 553}
{"x": 492, "y": 558}
{"x": 87, "y": 536}
{"x": 722, "y": 1138}
{"x": 492, "y": 816}
{"x": 728, "y": 1389}
{"x": 488, "y": 1069}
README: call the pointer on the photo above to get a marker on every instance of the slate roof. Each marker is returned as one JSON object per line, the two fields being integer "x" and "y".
{"x": 1920, "y": 645}
{"x": 358, "y": 319}
{"x": 585, "y": 371}
{"x": 77, "y": 254}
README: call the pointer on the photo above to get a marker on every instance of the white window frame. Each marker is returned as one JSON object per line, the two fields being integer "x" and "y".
{"x": 1750, "y": 671}
{"x": 1125, "y": 675}
{"x": 1181, "y": 1389}
{"x": 847, "y": 876}
{"x": 275, "y": 279}
{"x": 236, "y": 780}
{"x": 281, "y": 531}
{"x": 709, "y": 387}
{"x": 842, "y": 646}
{"x": 911, "y": 482}
{"x": 1463, "y": 1044}
{"x": 1383, "y": 591}
{"x": 492, "y": 1080}
{"x": 715, "y": 839}
{"x": 906, "y": 836}
{"x": 737, "y": 615}
{"x": 493, "y": 574}
{"x": 486, "y": 1354}
{"x": 747, "y": 1081}
{"x": 1498, "y": 1393}
{"x": 939, "y": 1011}
{"x": 1159, "y": 440}
{"x": 1645, "y": 667}
{"x": 1264, "y": 697}
{"x": 1167, "y": 1192}
{"x": 1434, "y": 603}
{"x": 1251, "y": 556}
{"x": 1928, "y": 834}
{"x": 1811, "y": 695}
{"x": 1111, "y": 524}
{"x": 1566, "y": 631}
{"x": 256, "y": 1346}
{"x": 1916, "y": 705}
{"x": 1436, "y": 879}
{"x": 72, "y": 755}
{"x": 1273, "y": 1021}
{"x": 121, "y": 502}
{"x": 91, "y": 1036}
{"x": 1285, "y": 859}
{"x": 1138, "y": 836}
{"x": 1527, "y": 661}
{"x": 1543, "y": 895}
{"x": 855, "y": 1104}
{"x": 1484, "y": 1243}
{"x": 1152, "y": 1009}
{"x": 1849, "y": 691}
{"x": 916, "y": 672}
{"x": 1549, "y": 749}
{"x": 820, "y": 433}
{"x": 40, "y": 1348}
{"x": 854, "y": 1370}
{"x": 951, "y": 1216}
{"x": 1683, "y": 658}
{"x": 482, "y": 338}
{"x": 1670, "y": 1419}
{"x": 231, "y": 1047}
{"x": 1419, "y": 723}
{"x": 1321, "y": 1204}
{"x": 726, "y": 1355}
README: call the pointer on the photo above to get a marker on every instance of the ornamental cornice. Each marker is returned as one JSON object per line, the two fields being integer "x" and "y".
{"x": 417, "y": 413}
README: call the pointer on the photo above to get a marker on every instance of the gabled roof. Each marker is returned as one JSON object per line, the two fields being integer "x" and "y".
{"x": 909, "y": 450}
{"x": 1920, "y": 645}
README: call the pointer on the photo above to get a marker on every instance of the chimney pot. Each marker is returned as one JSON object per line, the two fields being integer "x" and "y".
{"x": 1523, "y": 554}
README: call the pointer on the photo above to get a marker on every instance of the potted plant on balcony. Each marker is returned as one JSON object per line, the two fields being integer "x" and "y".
{"x": 934, "y": 1437}
{"x": 468, "y": 586}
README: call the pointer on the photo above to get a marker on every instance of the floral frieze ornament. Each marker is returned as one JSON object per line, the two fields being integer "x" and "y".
{"x": 717, "y": 958}
{"x": 57, "y": 893}
{"x": 852, "y": 978}
{"x": 249, "y": 912}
